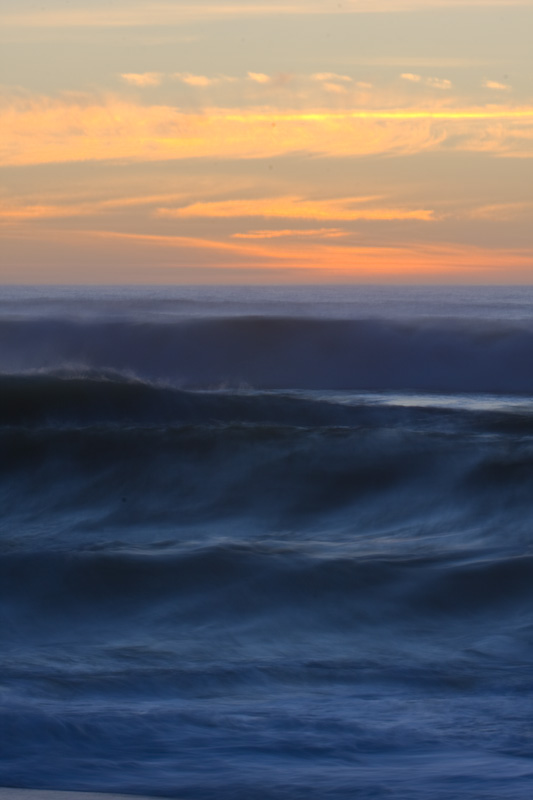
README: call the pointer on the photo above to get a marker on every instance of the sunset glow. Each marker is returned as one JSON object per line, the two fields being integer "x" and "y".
{"x": 402, "y": 151}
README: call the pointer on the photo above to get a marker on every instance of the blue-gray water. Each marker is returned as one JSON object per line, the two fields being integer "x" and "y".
{"x": 267, "y": 543}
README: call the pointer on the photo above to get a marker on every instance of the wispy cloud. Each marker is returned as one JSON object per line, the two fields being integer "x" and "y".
{"x": 192, "y": 242}
{"x": 503, "y": 212}
{"x": 314, "y": 233}
{"x": 435, "y": 83}
{"x": 439, "y": 83}
{"x": 18, "y": 213}
{"x": 118, "y": 255}
{"x": 147, "y": 14}
{"x": 45, "y": 130}
{"x": 330, "y": 81}
{"x": 142, "y": 78}
{"x": 500, "y": 87}
{"x": 201, "y": 81}
{"x": 295, "y": 208}
{"x": 434, "y": 261}
{"x": 259, "y": 77}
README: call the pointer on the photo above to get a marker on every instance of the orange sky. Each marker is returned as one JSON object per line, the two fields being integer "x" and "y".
{"x": 252, "y": 143}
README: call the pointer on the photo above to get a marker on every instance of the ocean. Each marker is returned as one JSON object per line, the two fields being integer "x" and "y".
{"x": 267, "y": 543}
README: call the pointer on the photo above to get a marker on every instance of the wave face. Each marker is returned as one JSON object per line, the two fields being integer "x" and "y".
{"x": 454, "y": 355}
{"x": 227, "y": 572}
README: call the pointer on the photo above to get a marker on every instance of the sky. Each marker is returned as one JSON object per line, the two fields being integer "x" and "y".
{"x": 306, "y": 141}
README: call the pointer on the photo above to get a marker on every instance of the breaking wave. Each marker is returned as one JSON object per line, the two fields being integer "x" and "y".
{"x": 279, "y": 353}
{"x": 268, "y": 557}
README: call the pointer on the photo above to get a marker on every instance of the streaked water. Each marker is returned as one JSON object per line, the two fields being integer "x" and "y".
{"x": 268, "y": 543}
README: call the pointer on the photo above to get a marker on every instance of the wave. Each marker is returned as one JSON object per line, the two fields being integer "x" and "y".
{"x": 81, "y": 397}
{"x": 77, "y": 398}
{"x": 385, "y": 479}
{"x": 208, "y": 557}
{"x": 244, "y": 585}
{"x": 185, "y": 474}
{"x": 280, "y": 353}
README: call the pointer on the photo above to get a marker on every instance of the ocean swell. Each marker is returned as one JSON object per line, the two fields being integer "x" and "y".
{"x": 279, "y": 557}
{"x": 279, "y": 353}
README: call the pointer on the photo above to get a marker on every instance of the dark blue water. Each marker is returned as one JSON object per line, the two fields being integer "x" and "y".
{"x": 267, "y": 543}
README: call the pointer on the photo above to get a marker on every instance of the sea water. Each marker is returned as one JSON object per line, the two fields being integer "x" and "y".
{"x": 267, "y": 542}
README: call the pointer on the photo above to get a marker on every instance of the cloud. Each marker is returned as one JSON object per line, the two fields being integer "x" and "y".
{"x": 501, "y": 87}
{"x": 435, "y": 83}
{"x": 316, "y": 233}
{"x": 303, "y": 84}
{"x": 292, "y": 207}
{"x": 334, "y": 88}
{"x": 143, "y": 78}
{"x": 503, "y": 212}
{"x": 17, "y": 213}
{"x": 86, "y": 129}
{"x": 439, "y": 83}
{"x": 195, "y": 243}
{"x": 259, "y": 77}
{"x": 154, "y": 13}
{"x": 327, "y": 79}
{"x": 195, "y": 80}
{"x": 433, "y": 262}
